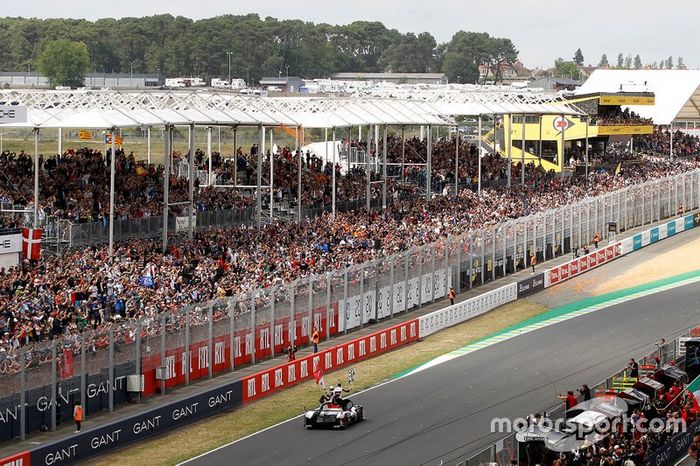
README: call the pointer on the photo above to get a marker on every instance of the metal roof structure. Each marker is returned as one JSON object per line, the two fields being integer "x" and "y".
{"x": 398, "y": 106}
{"x": 110, "y": 109}
{"x": 456, "y": 100}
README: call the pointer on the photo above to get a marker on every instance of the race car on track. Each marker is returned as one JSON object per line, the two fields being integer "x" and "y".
{"x": 330, "y": 415}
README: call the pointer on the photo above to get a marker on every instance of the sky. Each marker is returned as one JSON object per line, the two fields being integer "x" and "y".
{"x": 541, "y": 30}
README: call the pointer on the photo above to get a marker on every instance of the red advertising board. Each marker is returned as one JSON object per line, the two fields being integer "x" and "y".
{"x": 578, "y": 266}
{"x": 20, "y": 459}
{"x": 284, "y": 375}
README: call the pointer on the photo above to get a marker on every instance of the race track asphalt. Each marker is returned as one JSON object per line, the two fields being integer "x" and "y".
{"x": 444, "y": 413}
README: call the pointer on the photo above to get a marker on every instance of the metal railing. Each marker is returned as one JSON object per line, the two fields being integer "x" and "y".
{"x": 245, "y": 328}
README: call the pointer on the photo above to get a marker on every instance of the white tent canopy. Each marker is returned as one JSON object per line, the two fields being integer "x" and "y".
{"x": 677, "y": 92}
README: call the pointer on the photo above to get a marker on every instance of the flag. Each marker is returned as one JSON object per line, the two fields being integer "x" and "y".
{"x": 318, "y": 377}
{"x": 617, "y": 169}
{"x": 31, "y": 243}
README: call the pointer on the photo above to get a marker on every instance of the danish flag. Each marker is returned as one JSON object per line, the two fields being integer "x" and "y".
{"x": 31, "y": 243}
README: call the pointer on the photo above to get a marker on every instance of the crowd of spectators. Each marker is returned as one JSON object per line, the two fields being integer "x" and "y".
{"x": 615, "y": 116}
{"x": 659, "y": 142}
{"x": 66, "y": 294}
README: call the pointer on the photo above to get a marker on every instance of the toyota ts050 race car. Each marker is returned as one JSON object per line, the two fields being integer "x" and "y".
{"x": 330, "y": 415}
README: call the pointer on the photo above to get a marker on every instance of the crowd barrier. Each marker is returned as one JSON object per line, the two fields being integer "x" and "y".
{"x": 92, "y": 442}
{"x": 209, "y": 338}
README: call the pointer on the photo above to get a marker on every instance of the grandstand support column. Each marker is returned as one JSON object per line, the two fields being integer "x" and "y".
{"x": 191, "y": 175}
{"x": 539, "y": 148}
{"x": 478, "y": 156}
{"x": 509, "y": 140}
{"x": 563, "y": 143}
{"x": 112, "y": 170}
{"x": 586, "y": 147}
{"x": 148, "y": 143}
{"x": 299, "y": 169}
{"x": 494, "y": 134}
{"x": 36, "y": 177}
{"x": 54, "y": 391}
{"x": 258, "y": 184}
{"x": 368, "y": 168}
{"x": 162, "y": 348}
{"x": 522, "y": 155}
{"x": 166, "y": 193}
{"x": 137, "y": 351}
{"x": 59, "y": 136}
{"x": 211, "y": 176}
{"x": 272, "y": 174}
{"x": 384, "y": 179}
{"x": 457, "y": 160}
{"x": 376, "y": 141}
{"x": 235, "y": 153}
{"x": 421, "y": 133}
{"x": 429, "y": 165}
{"x": 403, "y": 153}
{"x": 333, "y": 175}
{"x": 670, "y": 151}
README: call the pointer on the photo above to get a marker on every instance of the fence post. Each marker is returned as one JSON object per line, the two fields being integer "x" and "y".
{"x": 54, "y": 397}
{"x": 504, "y": 228}
{"x": 405, "y": 276}
{"x": 186, "y": 354}
{"x": 252, "y": 324}
{"x": 210, "y": 353}
{"x": 526, "y": 258}
{"x": 22, "y": 395}
{"x": 231, "y": 335}
{"x": 446, "y": 252}
{"x": 493, "y": 253}
{"x": 471, "y": 260}
{"x": 362, "y": 294}
{"x": 643, "y": 206}
{"x": 420, "y": 277}
{"x": 345, "y": 301}
{"x": 273, "y": 301}
{"x": 391, "y": 286}
{"x": 458, "y": 275}
{"x": 311, "y": 324}
{"x": 432, "y": 274}
{"x": 111, "y": 369}
{"x": 162, "y": 351}
{"x": 138, "y": 357}
{"x": 329, "y": 309}
{"x": 83, "y": 387}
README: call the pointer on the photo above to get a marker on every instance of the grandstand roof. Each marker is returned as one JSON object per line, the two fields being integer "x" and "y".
{"x": 677, "y": 92}
{"x": 108, "y": 109}
{"x": 402, "y": 106}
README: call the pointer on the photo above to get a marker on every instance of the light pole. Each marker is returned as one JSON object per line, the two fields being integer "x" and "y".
{"x": 229, "y": 67}
{"x": 131, "y": 74}
{"x": 287, "y": 66}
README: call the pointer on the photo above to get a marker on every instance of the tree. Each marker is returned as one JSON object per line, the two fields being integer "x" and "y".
{"x": 463, "y": 55}
{"x": 500, "y": 52}
{"x": 628, "y": 62}
{"x": 411, "y": 54}
{"x": 604, "y": 61}
{"x": 669, "y": 63}
{"x": 566, "y": 69}
{"x": 637, "y": 62}
{"x": 681, "y": 64}
{"x": 65, "y": 62}
{"x": 620, "y": 60}
{"x": 578, "y": 57}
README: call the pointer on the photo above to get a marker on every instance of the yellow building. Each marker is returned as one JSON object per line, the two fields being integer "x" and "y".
{"x": 551, "y": 139}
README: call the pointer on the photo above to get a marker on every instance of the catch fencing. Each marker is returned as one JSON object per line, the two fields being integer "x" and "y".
{"x": 127, "y": 360}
